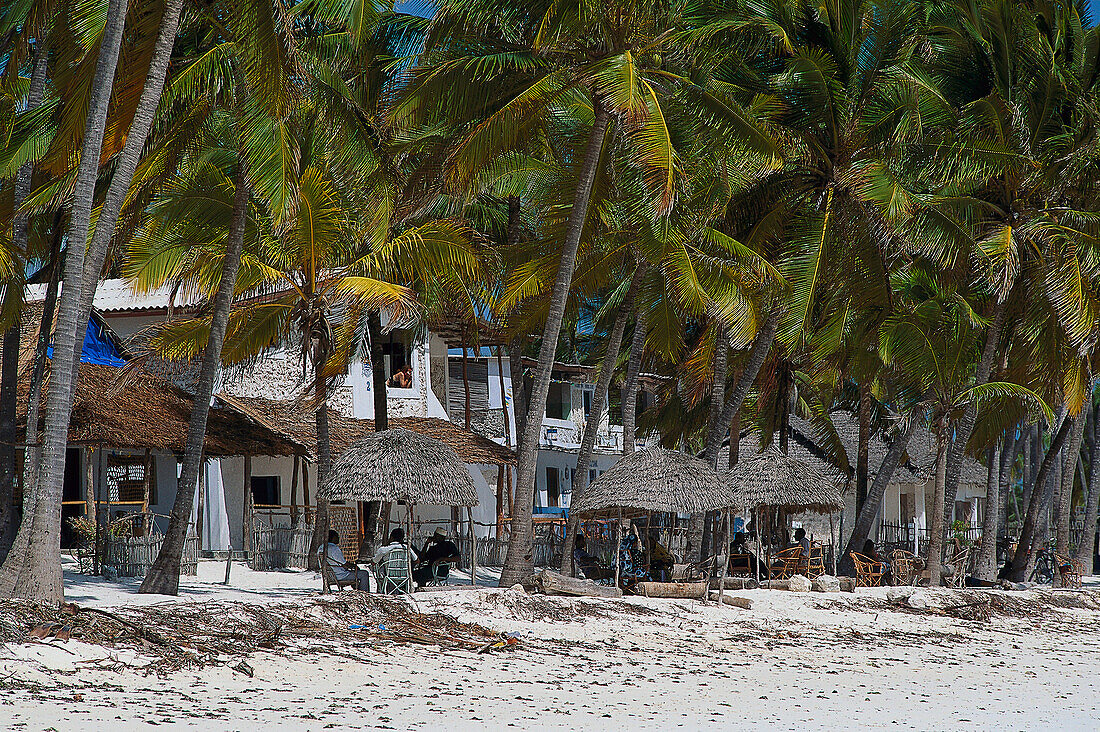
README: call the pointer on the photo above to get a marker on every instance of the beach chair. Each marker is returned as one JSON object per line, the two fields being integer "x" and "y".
{"x": 1069, "y": 571}
{"x": 905, "y": 567}
{"x": 814, "y": 567}
{"x": 959, "y": 564}
{"x": 868, "y": 572}
{"x": 392, "y": 573}
{"x": 441, "y": 569}
{"x": 787, "y": 563}
{"x": 328, "y": 579}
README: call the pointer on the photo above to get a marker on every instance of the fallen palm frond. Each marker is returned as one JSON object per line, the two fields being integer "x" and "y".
{"x": 172, "y": 636}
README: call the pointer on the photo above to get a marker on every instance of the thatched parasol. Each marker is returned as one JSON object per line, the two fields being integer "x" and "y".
{"x": 775, "y": 480}
{"x": 657, "y": 480}
{"x": 400, "y": 465}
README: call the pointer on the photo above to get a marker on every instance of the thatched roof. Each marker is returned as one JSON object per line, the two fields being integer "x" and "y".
{"x": 295, "y": 422}
{"x": 771, "y": 478}
{"x": 655, "y": 479}
{"x": 400, "y": 465}
{"x": 917, "y": 467}
{"x": 131, "y": 409}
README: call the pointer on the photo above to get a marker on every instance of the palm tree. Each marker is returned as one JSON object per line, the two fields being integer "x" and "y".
{"x": 616, "y": 76}
{"x": 32, "y": 569}
{"x": 933, "y": 342}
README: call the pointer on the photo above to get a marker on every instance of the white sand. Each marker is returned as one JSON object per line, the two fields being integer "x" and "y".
{"x": 810, "y": 661}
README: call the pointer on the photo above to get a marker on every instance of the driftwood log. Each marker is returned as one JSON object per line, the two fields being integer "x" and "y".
{"x": 554, "y": 583}
{"x": 691, "y": 590}
{"x": 742, "y": 602}
{"x": 736, "y": 583}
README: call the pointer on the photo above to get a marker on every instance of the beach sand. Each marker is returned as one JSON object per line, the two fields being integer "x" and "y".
{"x": 794, "y": 661}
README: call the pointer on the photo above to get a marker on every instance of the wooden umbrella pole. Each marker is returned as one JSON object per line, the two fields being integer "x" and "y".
{"x": 473, "y": 546}
{"x": 759, "y": 547}
{"x": 409, "y": 538}
{"x": 722, "y": 553}
{"x": 618, "y": 545}
{"x": 832, "y": 541}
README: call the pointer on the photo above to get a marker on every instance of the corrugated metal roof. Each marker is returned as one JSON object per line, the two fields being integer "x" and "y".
{"x": 117, "y": 295}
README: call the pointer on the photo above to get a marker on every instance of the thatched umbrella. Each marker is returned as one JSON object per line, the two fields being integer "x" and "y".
{"x": 654, "y": 479}
{"x": 401, "y": 465}
{"x": 771, "y": 479}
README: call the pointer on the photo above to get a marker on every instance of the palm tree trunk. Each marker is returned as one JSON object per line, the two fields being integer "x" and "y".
{"x": 986, "y": 565}
{"x": 519, "y": 398}
{"x": 863, "y": 444}
{"x": 32, "y": 570}
{"x": 866, "y": 516}
{"x": 1035, "y": 505}
{"x": 9, "y": 369}
{"x": 518, "y": 563}
{"x": 164, "y": 576}
{"x": 324, "y": 453}
{"x": 761, "y": 345}
{"x": 1004, "y": 480}
{"x": 935, "y": 528}
{"x": 698, "y": 535}
{"x": 1091, "y": 490}
{"x": 1065, "y": 496}
{"x": 33, "y": 453}
{"x": 629, "y": 397}
{"x": 965, "y": 426}
{"x": 381, "y": 416}
{"x": 599, "y": 402}
{"x": 735, "y": 439}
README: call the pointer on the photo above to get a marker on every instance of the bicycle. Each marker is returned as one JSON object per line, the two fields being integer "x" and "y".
{"x": 1043, "y": 573}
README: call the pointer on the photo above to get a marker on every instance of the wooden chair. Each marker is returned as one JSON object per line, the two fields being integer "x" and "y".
{"x": 959, "y": 564}
{"x": 1069, "y": 571}
{"x": 868, "y": 572}
{"x": 393, "y": 572}
{"x": 328, "y": 579}
{"x": 905, "y": 567}
{"x": 787, "y": 563}
{"x": 814, "y": 566}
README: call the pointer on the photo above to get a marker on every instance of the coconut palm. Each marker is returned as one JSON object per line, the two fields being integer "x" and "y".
{"x": 933, "y": 341}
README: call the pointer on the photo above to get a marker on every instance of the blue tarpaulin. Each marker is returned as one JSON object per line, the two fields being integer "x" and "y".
{"x": 97, "y": 348}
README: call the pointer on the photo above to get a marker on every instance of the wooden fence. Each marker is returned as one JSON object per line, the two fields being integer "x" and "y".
{"x": 279, "y": 547}
{"x": 132, "y": 556}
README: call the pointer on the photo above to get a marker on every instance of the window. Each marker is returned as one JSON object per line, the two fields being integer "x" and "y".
{"x": 265, "y": 490}
{"x": 553, "y": 490}
{"x": 588, "y": 393}
{"x": 396, "y": 351}
{"x": 557, "y": 402}
{"x": 962, "y": 511}
{"x": 126, "y": 479}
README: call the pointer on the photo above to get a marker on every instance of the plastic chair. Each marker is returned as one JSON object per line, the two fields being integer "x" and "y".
{"x": 441, "y": 569}
{"x": 393, "y": 573}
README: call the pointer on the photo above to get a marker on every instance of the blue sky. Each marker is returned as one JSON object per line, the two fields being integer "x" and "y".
{"x": 1094, "y": 7}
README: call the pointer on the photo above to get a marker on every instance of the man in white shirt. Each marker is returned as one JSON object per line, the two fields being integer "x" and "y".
{"x": 397, "y": 541}
{"x": 342, "y": 569}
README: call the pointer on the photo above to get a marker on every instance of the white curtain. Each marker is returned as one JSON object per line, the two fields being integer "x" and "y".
{"x": 214, "y": 521}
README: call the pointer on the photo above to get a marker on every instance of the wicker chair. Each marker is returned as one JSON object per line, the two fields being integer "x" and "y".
{"x": 788, "y": 563}
{"x": 393, "y": 572}
{"x": 960, "y": 565}
{"x": 814, "y": 567}
{"x": 1069, "y": 571}
{"x": 868, "y": 572}
{"x": 905, "y": 567}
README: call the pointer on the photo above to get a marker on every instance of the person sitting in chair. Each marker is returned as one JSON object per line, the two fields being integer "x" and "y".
{"x": 588, "y": 565}
{"x": 437, "y": 548}
{"x": 344, "y": 571}
{"x": 801, "y": 540}
{"x": 397, "y": 541}
{"x": 742, "y": 559}
{"x": 660, "y": 560}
